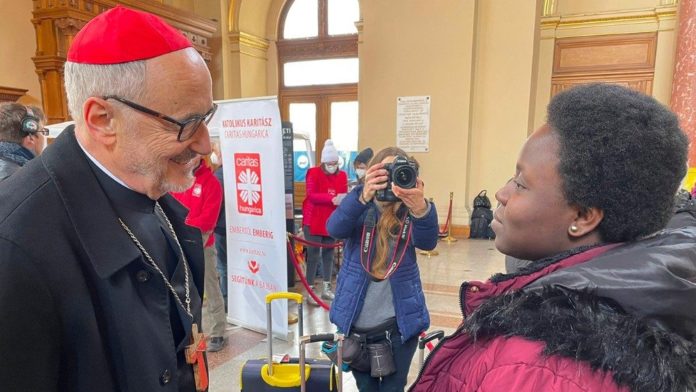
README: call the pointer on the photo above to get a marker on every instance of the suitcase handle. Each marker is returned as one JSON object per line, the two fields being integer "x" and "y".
{"x": 269, "y": 323}
{"x": 323, "y": 337}
{"x": 283, "y": 295}
{"x": 439, "y": 334}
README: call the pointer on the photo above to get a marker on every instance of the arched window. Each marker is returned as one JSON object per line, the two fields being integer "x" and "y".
{"x": 318, "y": 77}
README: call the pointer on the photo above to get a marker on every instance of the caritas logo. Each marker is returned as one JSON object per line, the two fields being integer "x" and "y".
{"x": 247, "y": 169}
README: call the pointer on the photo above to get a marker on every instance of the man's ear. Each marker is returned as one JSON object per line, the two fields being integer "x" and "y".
{"x": 98, "y": 118}
{"x": 587, "y": 220}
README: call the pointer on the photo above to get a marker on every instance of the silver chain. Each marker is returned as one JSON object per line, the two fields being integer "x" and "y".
{"x": 187, "y": 307}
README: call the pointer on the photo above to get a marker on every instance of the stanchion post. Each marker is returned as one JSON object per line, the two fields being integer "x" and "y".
{"x": 429, "y": 253}
{"x": 449, "y": 239}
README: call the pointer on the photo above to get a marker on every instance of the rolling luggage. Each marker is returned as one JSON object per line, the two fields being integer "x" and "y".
{"x": 327, "y": 337}
{"x": 262, "y": 375}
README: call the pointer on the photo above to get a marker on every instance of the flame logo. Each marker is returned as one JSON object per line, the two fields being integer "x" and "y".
{"x": 253, "y": 266}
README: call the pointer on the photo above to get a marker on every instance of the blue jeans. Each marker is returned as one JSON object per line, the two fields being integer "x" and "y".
{"x": 403, "y": 355}
{"x": 221, "y": 249}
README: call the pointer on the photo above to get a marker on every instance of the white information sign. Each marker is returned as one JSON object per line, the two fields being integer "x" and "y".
{"x": 413, "y": 123}
{"x": 252, "y": 155}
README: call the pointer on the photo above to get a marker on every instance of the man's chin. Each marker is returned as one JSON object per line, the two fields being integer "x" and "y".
{"x": 178, "y": 185}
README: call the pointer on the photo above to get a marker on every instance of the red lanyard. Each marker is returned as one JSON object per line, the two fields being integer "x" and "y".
{"x": 366, "y": 242}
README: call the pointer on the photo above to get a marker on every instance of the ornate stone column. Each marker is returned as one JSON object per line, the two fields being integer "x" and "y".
{"x": 683, "y": 100}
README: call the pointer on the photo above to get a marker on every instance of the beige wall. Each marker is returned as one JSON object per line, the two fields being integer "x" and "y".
{"x": 572, "y": 18}
{"x": 17, "y": 48}
{"x": 211, "y": 9}
{"x": 239, "y": 65}
{"x": 247, "y": 48}
{"x": 407, "y": 51}
{"x": 504, "y": 77}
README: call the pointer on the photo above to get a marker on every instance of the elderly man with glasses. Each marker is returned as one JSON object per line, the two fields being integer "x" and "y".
{"x": 101, "y": 280}
{"x": 22, "y": 136}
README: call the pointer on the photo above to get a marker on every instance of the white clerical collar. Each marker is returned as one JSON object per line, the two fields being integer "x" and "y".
{"x": 101, "y": 167}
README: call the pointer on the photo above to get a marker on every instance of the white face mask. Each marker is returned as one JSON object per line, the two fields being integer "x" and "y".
{"x": 360, "y": 173}
{"x": 214, "y": 159}
{"x": 331, "y": 168}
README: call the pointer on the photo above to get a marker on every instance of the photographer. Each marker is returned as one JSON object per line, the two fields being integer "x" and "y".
{"x": 379, "y": 299}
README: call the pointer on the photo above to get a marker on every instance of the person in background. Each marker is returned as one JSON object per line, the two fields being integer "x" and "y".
{"x": 22, "y": 136}
{"x": 380, "y": 292}
{"x": 101, "y": 281}
{"x": 326, "y": 187}
{"x": 220, "y": 230}
{"x": 608, "y": 303}
{"x": 360, "y": 166}
{"x": 203, "y": 200}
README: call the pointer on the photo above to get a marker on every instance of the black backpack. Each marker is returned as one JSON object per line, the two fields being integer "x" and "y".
{"x": 481, "y": 200}
{"x": 481, "y": 218}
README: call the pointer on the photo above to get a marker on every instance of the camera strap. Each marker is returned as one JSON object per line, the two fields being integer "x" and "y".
{"x": 367, "y": 243}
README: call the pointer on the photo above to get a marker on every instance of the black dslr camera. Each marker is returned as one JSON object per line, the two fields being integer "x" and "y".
{"x": 403, "y": 173}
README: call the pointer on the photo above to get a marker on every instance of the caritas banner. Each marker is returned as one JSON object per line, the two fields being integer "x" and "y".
{"x": 252, "y": 155}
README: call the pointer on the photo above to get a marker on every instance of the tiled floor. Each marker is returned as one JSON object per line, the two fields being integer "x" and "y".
{"x": 441, "y": 276}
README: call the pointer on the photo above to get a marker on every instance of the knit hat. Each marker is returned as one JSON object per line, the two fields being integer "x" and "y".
{"x": 364, "y": 156}
{"x": 329, "y": 153}
{"x": 122, "y": 35}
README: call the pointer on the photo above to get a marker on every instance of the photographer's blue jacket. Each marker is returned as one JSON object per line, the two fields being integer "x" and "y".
{"x": 346, "y": 223}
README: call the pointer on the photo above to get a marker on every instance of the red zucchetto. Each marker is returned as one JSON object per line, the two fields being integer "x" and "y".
{"x": 121, "y": 35}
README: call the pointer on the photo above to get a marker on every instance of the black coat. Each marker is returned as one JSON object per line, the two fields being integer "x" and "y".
{"x": 81, "y": 310}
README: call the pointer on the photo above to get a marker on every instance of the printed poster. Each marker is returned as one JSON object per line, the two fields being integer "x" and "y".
{"x": 413, "y": 123}
{"x": 252, "y": 154}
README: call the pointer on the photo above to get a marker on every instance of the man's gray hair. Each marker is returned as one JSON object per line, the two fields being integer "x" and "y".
{"x": 127, "y": 80}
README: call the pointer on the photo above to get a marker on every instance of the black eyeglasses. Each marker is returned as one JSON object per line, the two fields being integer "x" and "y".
{"x": 186, "y": 129}
{"x": 43, "y": 131}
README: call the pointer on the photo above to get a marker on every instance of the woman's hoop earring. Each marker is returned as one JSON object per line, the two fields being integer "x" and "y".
{"x": 573, "y": 229}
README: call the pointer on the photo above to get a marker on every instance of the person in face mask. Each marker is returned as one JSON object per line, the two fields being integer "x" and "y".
{"x": 326, "y": 187}
{"x": 360, "y": 166}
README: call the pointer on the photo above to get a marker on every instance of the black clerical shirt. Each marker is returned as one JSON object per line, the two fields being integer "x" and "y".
{"x": 140, "y": 215}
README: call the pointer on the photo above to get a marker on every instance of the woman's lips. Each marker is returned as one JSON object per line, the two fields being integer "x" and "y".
{"x": 495, "y": 216}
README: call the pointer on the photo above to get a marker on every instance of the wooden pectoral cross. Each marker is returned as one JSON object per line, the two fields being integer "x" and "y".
{"x": 194, "y": 357}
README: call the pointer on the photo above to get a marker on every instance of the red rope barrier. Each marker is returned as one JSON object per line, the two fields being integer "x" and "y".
{"x": 445, "y": 231}
{"x": 302, "y": 277}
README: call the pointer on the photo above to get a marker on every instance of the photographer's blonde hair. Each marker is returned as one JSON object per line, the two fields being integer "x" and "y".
{"x": 388, "y": 224}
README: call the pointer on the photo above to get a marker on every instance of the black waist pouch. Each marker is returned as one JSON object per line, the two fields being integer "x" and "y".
{"x": 376, "y": 355}
{"x": 355, "y": 353}
{"x": 381, "y": 359}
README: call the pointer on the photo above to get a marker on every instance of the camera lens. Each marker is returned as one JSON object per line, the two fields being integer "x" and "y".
{"x": 404, "y": 177}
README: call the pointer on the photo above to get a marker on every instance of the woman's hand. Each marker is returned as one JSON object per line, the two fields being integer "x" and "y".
{"x": 375, "y": 179}
{"x": 413, "y": 198}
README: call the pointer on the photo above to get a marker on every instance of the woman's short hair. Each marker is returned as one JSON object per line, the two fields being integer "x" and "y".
{"x": 620, "y": 151}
